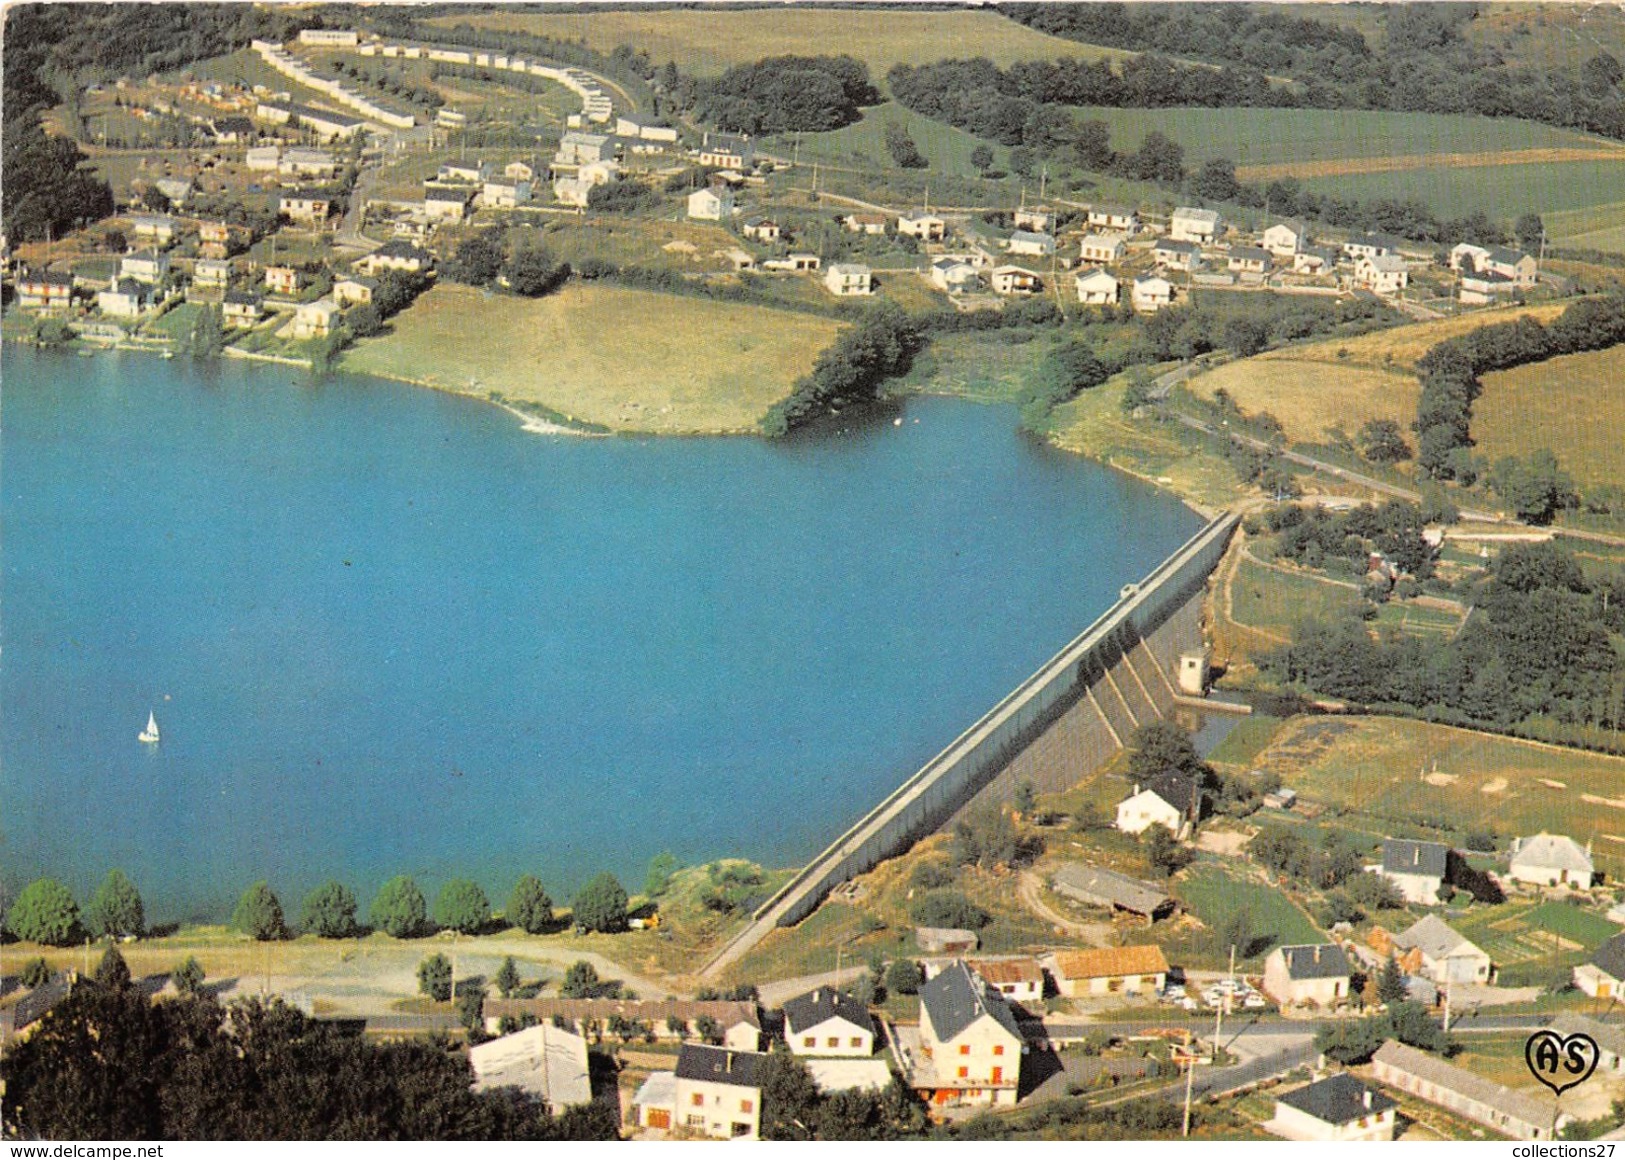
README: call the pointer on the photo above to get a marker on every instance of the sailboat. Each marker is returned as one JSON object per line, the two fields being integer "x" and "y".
{"x": 150, "y": 733}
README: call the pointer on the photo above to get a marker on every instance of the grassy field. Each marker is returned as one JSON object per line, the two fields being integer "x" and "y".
{"x": 1409, "y": 771}
{"x": 1213, "y": 893}
{"x": 1503, "y": 191}
{"x": 1346, "y": 380}
{"x": 973, "y": 366}
{"x": 1247, "y": 740}
{"x": 1536, "y": 406}
{"x": 1278, "y": 602}
{"x": 1307, "y": 137}
{"x": 1597, "y": 227}
{"x": 708, "y": 42}
{"x": 863, "y": 145}
{"x": 628, "y": 360}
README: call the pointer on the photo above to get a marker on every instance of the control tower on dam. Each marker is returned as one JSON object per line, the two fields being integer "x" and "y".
{"x": 1127, "y": 668}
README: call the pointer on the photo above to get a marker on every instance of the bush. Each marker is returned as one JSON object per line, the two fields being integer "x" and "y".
{"x": 116, "y": 909}
{"x": 904, "y": 977}
{"x": 329, "y": 911}
{"x": 36, "y": 973}
{"x": 434, "y": 977}
{"x": 462, "y": 906}
{"x": 932, "y": 875}
{"x": 188, "y": 976}
{"x": 948, "y": 908}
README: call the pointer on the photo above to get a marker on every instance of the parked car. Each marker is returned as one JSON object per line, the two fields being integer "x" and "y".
{"x": 1254, "y": 1000}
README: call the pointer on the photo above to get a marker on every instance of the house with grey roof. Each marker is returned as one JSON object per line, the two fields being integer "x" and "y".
{"x": 1338, "y": 1108}
{"x": 719, "y": 1091}
{"x": 1172, "y": 798}
{"x": 1442, "y": 954}
{"x": 1496, "y": 1106}
{"x": 1417, "y": 869}
{"x": 1173, "y": 254}
{"x": 1609, "y": 1037}
{"x": 1603, "y": 977}
{"x": 1317, "y": 973}
{"x": 828, "y": 1021}
{"x": 1094, "y": 886}
{"x": 20, "y": 1019}
{"x": 968, "y": 1046}
{"x": 1551, "y": 860}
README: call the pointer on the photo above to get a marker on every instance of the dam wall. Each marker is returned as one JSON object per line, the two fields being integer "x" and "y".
{"x": 1071, "y": 714}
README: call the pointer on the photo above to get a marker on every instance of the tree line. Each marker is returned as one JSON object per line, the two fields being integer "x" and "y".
{"x": 1537, "y": 657}
{"x": 46, "y": 912}
{"x": 851, "y": 370}
{"x": 780, "y": 94}
{"x": 1428, "y": 63}
{"x": 1449, "y": 372}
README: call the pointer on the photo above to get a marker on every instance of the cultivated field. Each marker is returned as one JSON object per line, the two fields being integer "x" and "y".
{"x": 628, "y": 360}
{"x": 1572, "y": 405}
{"x": 1213, "y": 893}
{"x": 1597, "y": 228}
{"x": 1297, "y": 140}
{"x": 1502, "y": 191}
{"x": 1405, "y": 771}
{"x": 1346, "y": 380}
{"x": 711, "y": 42}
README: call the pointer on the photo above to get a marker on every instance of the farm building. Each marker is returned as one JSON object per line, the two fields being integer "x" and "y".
{"x": 1131, "y": 970}
{"x": 1494, "y": 1105}
{"x": 1609, "y": 1037}
{"x": 1551, "y": 860}
{"x": 1431, "y": 948}
{"x": 1417, "y": 869}
{"x": 827, "y": 1021}
{"x": 1337, "y": 1108}
{"x": 1019, "y": 980}
{"x": 1603, "y": 977}
{"x": 1317, "y": 973}
{"x": 1094, "y": 886}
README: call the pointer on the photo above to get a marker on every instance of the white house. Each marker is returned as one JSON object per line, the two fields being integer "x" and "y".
{"x": 711, "y": 204}
{"x": 826, "y": 1021}
{"x": 211, "y": 272}
{"x": 577, "y": 148}
{"x": 1101, "y": 248}
{"x": 519, "y": 171}
{"x": 1172, "y": 799}
{"x": 1466, "y": 256}
{"x": 762, "y": 230}
{"x": 353, "y": 289}
{"x": 1249, "y": 260}
{"x": 1417, "y": 869}
{"x": 263, "y": 158}
{"x": 311, "y": 211}
{"x": 572, "y": 191}
{"x": 728, "y": 151}
{"x": 866, "y": 223}
{"x": 158, "y": 227}
{"x": 1015, "y": 280}
{"x": 969, "y": 1046}
{"x": 1172, "y": 254}
{"x": 927, "y": 227}
{"x": 1513, "y": 264}
{"x": 1096, "y": 287}
{"x": 1036, "y": 218}
{"x": 1130, "y": 970}
{"x": 1551, "y": 860}
{"x": 1150, "y": 294}
{"x": 445, "y": 205}
{"x": 1338, "y": 1108}
{"x": 1481, "y": 288}
{"x": 124, "y": 298}
{"x": 242, "y": 309}
{"x": 1193, "y": 225}
{"x": 1442, "y": 954}
{"x": 644, "y": 128}
{"x": 1285, "y": 239}
{"x": 144, "y": 266}
{"x": 1114, "y": 219}
{"x": 315, "y": 319}
{"x": 463, "y": 173}
{"x": 848, "y": 279}
{"x": 954, "y": 275}
{"x": 544, "y": 1060}
{"x": 719, "y": 1092}
{"x": 1370, "y": 246}
{"x": 301, "y": 162}
{"x": 1317, "y": 974}
{"x": 1313, "y": 260}
{"x": 1382, "y": 274}
{"x": 1603, "y": 976}
{"x": 1027, "y": 242}
{"x": 282, "y": 279}
{"x": 505, "y": 194}
{"x": 396, "y": 256}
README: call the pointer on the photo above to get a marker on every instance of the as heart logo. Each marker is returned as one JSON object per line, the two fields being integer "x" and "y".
{"x": 1561, "y": 1061}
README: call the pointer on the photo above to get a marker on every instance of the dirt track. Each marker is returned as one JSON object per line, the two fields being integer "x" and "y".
{"x": 1347, "y": 166}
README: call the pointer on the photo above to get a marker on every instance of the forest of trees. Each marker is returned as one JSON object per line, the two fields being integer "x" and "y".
{"x": 1428, "y": 63}
{"x": 881, "y": 345}
{"x": 785, "y": 94}
{"x": 1537, "y": 650}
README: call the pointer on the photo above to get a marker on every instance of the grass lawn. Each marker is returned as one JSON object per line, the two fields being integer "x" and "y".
{"x": 1247, "y": 740}
{"x": 1503, "y": 191}
{"x": 176, "y": 323}
{"x": 1536, "y": 406}
{"x": 1213, "y": 893}
{"x": 1299, "y": 139}
{"x": 1280, "y": 601}
{"x": 629, "y": 360}
{"x": 1346, "y": 380}
{"x": 863, "y": 145}
{"x": 1585, "y": 927}
{"x": 1408, "y": 771}
{"x": 1598, "y": 227}
{"x": 707, "y": 42}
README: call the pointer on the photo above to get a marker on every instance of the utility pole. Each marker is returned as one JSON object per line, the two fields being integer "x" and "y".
{"x": 1190, "y": 1079}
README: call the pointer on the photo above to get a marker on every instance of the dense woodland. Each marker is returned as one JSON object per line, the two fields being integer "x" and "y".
{"x": 783, "y": 94}
{"x": 1421, "y": 67}
{"x": 1539, "y": 653}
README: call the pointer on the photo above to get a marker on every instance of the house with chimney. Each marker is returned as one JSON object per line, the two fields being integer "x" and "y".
{"x": 1172, "y": 799}
{"x": 828, "y": 1021}
{"x": 1338, "y": 1109}
{"x": 1417, "y": 869}
{"x": 718, "y": 1092}
{"x": 1298, "y": 975}
{"x": 1552, "y": 860}
{"x": 967, "y": 1049}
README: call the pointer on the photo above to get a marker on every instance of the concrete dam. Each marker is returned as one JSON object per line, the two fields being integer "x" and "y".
{"x": 1065, "y": 720}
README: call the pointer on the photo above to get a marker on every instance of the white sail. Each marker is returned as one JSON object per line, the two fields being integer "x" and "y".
{"x": 150, "y": 733}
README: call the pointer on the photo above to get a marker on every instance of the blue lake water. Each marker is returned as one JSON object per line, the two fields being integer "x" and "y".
{"x": 384, "y": 630}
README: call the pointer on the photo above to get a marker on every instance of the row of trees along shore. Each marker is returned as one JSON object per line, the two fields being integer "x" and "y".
{"x": 46, "y": 912}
